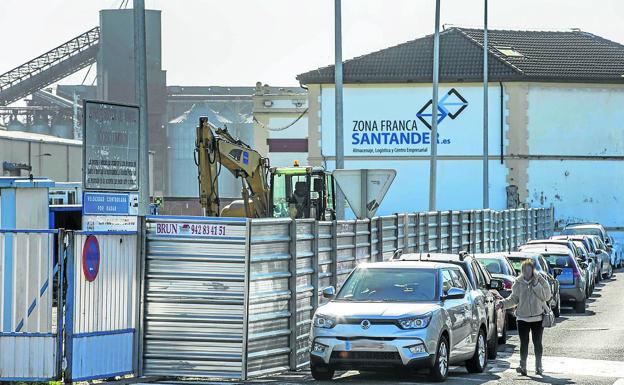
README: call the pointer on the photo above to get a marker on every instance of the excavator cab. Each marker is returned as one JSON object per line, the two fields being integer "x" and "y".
{"x": 302, "y": 192}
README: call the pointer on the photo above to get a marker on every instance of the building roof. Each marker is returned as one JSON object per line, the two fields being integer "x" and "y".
{"x": 32, "y": 137}
{"x": 571, "y": 56}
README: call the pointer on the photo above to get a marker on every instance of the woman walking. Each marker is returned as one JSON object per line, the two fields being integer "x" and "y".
{"x": 530, "y": 294}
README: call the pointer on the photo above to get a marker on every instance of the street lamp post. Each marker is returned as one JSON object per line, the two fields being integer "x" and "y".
{"x": 486, "y": 175}
{"x": 433, "y": 163}
{"x": 339, "y": 111}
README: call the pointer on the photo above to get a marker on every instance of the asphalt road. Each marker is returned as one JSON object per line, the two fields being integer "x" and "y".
{"x": 581, "y": 349}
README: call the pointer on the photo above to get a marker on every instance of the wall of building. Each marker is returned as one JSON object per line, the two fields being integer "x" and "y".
{"x": 50, "y": 157}
{"x": 281, "y": 125}
{"x": 575, "y": 145}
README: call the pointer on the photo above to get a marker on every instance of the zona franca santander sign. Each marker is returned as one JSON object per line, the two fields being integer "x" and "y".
{"x": 386, "y": 126}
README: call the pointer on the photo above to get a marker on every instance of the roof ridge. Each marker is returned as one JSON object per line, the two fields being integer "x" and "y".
{"x": 499, "y": 58}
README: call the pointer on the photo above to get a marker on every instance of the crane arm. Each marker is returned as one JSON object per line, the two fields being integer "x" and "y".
{"x": 221, "y": 149}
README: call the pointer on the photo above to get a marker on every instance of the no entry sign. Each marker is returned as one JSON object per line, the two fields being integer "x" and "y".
{"x": 91, "y": 258}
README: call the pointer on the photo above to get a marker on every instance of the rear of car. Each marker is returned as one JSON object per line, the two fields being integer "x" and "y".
{"x": 571, "y": 280}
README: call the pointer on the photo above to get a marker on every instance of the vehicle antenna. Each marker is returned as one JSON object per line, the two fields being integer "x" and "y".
{"x": 420, "y": 257}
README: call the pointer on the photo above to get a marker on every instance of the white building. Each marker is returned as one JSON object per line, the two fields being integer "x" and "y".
{"x": 556, "y": 125}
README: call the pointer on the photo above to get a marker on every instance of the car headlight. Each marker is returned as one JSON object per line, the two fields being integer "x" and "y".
{"x": 323, "y": 321}
{"x": 419, "y": 322}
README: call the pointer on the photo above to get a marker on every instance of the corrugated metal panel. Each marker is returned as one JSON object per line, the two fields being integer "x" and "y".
{"x": 307, "y": 283}
{"x": 270, "y": 291}
{"x": 195, "y": 300}
{"x": 28, "y": 335}
{"x": 104, "y": 319}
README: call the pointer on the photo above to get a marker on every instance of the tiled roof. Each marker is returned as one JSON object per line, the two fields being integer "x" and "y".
{"x": 573, "y": 56}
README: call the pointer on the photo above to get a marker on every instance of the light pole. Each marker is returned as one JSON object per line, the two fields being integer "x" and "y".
{"x": 433, "y": 162}
{"x": 140, "y": 79}
{"x": 486, "y": 174}
{"x": 339, "y": 114}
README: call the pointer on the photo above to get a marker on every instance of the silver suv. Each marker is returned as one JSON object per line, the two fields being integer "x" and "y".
{"x": 400, "y": 314}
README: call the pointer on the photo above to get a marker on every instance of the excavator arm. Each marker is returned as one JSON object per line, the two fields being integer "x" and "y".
{"x": 216, "y": 148}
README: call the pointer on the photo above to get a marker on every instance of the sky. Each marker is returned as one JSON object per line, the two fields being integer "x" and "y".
{"x": 240, "y": 42}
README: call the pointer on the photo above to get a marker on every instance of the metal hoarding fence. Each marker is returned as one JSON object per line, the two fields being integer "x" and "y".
{"x": 195, "y": 297}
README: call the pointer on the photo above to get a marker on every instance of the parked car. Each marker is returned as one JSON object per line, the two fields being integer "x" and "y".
{"x": 606, "y": 268}
{"x": 542, "y": 267}
{"x": 592, "y": 228}
{"x": 500, "y": 267}
{"x": 591, "y": 249}
{"x": 478, "y": 277}
{"x": 401, "y": 314}
{"x": 572, "y": 283}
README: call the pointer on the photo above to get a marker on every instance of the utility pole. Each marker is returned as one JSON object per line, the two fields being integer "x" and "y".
{"x": 486, "y": 166}
{"x": 340, "y": 207}
{"x": 433, "y": 163}
{"x": 140, "y": 79}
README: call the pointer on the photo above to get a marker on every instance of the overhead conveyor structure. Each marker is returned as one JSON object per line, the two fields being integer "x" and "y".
{"x": 50, "y": 67}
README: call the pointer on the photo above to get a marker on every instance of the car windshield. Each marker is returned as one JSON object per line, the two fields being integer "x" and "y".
{"x": 582, "y": 231}
{"x": 496, "y": 266}
{"x": 516, "y": 262}
{"x": 389, "y": 285}
{"x": 559, "y": 260}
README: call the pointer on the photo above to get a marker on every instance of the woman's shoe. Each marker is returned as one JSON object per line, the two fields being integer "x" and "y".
{"x": 539, "y": 370}
{"x": 521, "y": 370}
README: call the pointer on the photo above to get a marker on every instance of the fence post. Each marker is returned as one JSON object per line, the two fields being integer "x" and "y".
{"x": 439, "y": 231}
{"x": 396, "y": 232}
{"x": 292, "y": 284}
{"x": 406, "y": 230}
{"x": 61, "y": 251}
{"x": 379, "y": 239}
{"x": 450, "y": 232}
{"x": 315, "y": 266}
{"x": 483, "y": 232}
{"x": 427, "y": 231}
{"x": 140, "y": 300}
{"x": 334, "y": 255}
{"x": 69, "y": 308}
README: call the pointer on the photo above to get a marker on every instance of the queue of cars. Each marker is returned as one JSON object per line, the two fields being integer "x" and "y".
{"x": 433, "y": 310}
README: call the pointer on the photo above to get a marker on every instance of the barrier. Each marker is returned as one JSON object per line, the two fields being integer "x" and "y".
{"x": 102, "y": 305}
{"x": 29, "y": 325}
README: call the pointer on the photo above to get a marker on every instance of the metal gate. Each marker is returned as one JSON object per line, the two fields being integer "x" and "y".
{"x": 29, "y": 321}
{"x": 102, "y": 305}
{"x": 195, "y": 285}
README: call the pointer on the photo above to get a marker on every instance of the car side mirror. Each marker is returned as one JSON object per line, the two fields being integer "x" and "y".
{"x": 397, "y": 254}
{"x": 584, "y": 265}
{"x": 455, "y": 293}
{"x": 557, "y": 271}
{"x": 496, "y": 284}
{"x": 329, "y": 292}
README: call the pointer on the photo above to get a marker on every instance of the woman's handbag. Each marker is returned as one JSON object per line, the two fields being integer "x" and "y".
{"x": 548, "y": 318}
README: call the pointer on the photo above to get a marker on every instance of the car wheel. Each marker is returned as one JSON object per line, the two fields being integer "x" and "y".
{"x": 322, "y": 373}
{"x": 579, "y": 307}
{"x": 557, "y": 309}
{"x": 598, "y": 277}
{"x": 502, "y": 340}
{"x": 478, "y": 362}
{"x": 439, "y": 370}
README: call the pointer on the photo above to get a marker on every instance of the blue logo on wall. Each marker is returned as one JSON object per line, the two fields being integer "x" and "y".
{"x": 452, "y": 104}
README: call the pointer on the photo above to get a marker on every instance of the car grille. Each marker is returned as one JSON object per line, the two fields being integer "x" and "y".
{"x": 377, "y": 356}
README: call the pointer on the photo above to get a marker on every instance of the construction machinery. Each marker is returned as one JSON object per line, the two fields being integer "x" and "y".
{"x": 273, "y": 192}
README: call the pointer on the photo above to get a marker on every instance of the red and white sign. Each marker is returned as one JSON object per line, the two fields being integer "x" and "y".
{"x": 192, "y": 229}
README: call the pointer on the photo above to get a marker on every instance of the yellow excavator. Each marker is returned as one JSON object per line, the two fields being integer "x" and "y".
{"x": 268, "y": 192}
